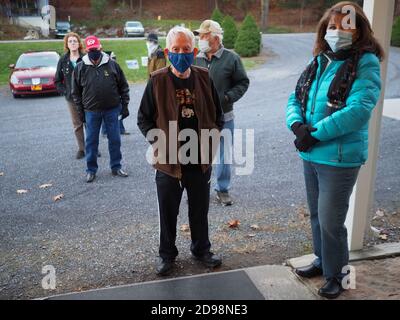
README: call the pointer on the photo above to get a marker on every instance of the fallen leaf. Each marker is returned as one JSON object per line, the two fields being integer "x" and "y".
{"x": 255, "y": 227}
{"x": 21, "y": 191}
{"x": 380, "y": 213}
{"x": 185, "y": 228}
{"x": 59, "y": 197}
{"x": 383, "y": 237}
{"x": 234, "y": 224}
{"x": 46, "y": 185}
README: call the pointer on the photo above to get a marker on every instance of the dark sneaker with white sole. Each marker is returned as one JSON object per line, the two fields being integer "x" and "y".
{"x": 224, "y": 198}
{"x": 90, "y": 177}
{"x": 119, "y": 173}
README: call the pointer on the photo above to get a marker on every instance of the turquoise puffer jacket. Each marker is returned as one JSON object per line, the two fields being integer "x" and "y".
{"x": 343, "y": 135}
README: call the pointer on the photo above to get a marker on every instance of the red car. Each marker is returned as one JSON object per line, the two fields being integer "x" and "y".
{"x": 34, "y": 73}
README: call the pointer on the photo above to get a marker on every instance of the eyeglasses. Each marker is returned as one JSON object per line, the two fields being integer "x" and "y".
{"x": 73, "y": 41}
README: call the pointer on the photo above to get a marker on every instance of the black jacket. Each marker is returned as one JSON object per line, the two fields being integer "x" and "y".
{"x": 64, "y": 76}
{"x": 99, "y": 88}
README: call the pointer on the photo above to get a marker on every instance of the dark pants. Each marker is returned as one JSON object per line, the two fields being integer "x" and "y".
{"x": 93, "y": 124}
{"x": 328, "y": 195}
{"x": 169, "y": 193}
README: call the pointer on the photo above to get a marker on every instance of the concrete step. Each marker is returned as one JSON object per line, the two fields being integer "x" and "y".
{"x": 268, "y": 282}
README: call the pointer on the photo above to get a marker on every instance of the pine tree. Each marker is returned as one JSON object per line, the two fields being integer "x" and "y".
{"x": 230, "y": 32}
{"x": 249, "y": 38}
{"x": 396, "y": 33}
{"x": 217, "y": 16}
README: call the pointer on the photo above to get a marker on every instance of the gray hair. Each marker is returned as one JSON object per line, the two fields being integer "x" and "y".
{"x": 218, "y": 35}
{"x": 173, "y": 33}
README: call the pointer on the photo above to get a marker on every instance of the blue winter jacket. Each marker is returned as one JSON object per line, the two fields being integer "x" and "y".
{"x": 344, "y": 134}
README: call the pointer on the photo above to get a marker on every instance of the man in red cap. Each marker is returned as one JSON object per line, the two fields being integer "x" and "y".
{"x": 101, "y": 93}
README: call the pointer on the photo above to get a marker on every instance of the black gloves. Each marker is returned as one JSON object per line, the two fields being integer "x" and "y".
{"x": 304, "y": 140}
{"x": 124, "y": 112}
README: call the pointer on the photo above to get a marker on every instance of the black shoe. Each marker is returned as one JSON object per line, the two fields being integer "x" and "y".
{"x": 80, "y": 154}
{"x": 210, "y": 260}
{"x": 90, "y": 177}
{"x": 125, "y": 133}
{"x": 164, "y": 267}
{"x": 98, "y": 154}
{"x": 331, "y": 289}
{"x": 119, "y": 173}
{"x": 310, "y": 271}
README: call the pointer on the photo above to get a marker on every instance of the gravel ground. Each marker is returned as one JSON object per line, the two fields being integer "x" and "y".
{"x": 106, "y": 233}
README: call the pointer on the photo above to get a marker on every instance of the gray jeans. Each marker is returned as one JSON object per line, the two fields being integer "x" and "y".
{"x": 328, "y": 195}
{"x": 78, "y": 126}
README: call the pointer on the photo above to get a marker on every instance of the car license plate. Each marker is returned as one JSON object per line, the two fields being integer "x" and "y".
{"x": 36, "y": 87}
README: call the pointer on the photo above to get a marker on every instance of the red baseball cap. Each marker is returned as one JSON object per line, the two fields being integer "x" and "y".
{"x": 92, "y": 42}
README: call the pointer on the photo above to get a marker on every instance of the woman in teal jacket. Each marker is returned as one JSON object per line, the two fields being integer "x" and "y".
{"x": 329, "y": 114}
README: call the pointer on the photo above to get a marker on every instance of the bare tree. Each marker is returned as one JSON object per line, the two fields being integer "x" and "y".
{"x": 264, "y": 14}
{"x": 302, "y": 13}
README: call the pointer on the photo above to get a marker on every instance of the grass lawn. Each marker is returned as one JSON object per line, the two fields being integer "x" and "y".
{"x": 124, "y": 50}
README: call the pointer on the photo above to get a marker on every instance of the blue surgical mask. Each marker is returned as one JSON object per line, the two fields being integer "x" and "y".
{"x": 181, "y": 61}
{"x": 339, "y": 40}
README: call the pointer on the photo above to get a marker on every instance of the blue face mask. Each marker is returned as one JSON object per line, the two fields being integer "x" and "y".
{"x": 339, "y": 40}
{"x": 181, "y": 61}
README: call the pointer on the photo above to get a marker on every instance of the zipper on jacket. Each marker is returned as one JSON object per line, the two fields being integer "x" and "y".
{"x": 319, "y": 82}
{"x": 340, "y": 151}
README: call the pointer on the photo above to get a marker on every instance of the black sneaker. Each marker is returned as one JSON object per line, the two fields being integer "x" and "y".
{"x": 210, "y": 260}
{"x": 90, "y": 177}
{"x": 119, "y": 173}
{"x": 224, "y": 198}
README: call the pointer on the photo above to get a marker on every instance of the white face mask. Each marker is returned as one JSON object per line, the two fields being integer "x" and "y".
{"x": 151, "y": 47}
{"x": 204, "y": 46}
{"x": 339, "y": 40}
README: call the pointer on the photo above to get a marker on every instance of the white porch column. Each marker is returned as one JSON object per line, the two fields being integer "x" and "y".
{"x": 380, "y": 13}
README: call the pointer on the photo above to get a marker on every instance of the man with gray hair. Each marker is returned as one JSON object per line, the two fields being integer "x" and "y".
{"x": 182, "y": 98}
{"x": 231, "y": 81}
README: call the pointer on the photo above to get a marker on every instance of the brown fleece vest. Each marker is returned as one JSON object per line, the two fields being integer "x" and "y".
{"x": 167, "y": 110}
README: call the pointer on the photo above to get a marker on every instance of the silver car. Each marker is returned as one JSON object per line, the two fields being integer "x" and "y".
{"x": 133, "y": 28}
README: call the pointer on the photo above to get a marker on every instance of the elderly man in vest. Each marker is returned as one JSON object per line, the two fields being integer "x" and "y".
{"x": 177, "y": 100}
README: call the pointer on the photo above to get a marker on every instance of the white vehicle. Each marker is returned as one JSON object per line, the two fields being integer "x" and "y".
{"x": 133, "y": 28}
